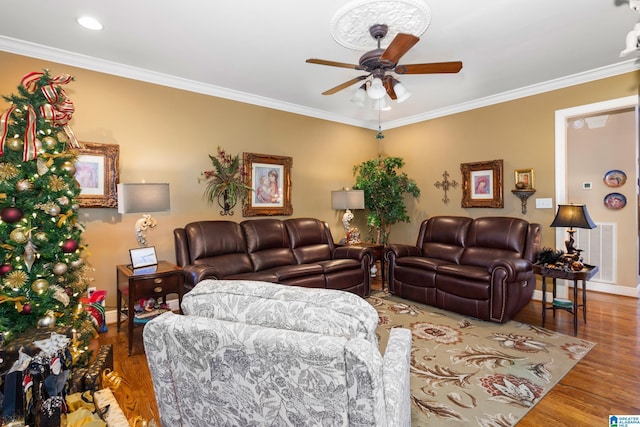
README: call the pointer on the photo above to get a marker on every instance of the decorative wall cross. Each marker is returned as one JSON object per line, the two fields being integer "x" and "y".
{"x": 445, "y": 185}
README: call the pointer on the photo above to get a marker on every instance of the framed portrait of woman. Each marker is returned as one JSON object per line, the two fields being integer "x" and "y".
{"x": 482, "y": 184}
{"x": 269, "y": 178}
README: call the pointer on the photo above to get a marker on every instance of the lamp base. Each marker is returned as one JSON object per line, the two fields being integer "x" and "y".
{"x": 141, "y": 227}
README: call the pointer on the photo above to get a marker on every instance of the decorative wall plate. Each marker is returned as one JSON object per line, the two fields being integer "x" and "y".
{"x": 615, "y": 178}
{"x": 615, "y": 201}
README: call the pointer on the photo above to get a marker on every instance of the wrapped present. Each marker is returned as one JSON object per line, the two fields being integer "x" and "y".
{"x": 103, "y": 360}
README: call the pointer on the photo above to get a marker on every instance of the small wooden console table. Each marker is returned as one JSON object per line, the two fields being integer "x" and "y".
{"x": 554, "y": 273}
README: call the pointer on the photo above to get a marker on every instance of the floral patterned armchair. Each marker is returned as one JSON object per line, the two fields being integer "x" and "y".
{"x": 208, "y": 371}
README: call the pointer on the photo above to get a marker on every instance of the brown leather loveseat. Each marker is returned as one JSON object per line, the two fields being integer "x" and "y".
{"x": 296, "y": 251}
{"x": 478, "y": 267}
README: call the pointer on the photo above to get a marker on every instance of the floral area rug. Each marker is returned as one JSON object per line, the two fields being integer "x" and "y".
{"x": 467, "y": 372}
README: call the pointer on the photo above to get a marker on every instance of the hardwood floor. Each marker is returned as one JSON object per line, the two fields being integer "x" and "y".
{"x": 605, "y": 382}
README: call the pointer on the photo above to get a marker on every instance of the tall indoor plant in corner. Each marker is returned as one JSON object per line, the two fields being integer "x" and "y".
{"x": 384, "y": 193}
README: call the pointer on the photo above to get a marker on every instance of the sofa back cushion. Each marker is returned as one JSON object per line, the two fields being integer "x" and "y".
{"x": 324, "y": 311}
{"x": 246, "y": 374}
{"x": 311, "y": 240}
{"x": 492, "y": 238}
{"x": 444, "y": 237}
{"x": 211, "y": 242}
{"x": 267, "y": 243}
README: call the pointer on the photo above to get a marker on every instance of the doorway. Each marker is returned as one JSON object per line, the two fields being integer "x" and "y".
{"x": 586, "y": 185}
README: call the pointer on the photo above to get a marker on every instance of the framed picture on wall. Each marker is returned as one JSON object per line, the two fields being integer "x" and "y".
{"x": 270, "y": 180}
{"x": 97, "y": 174}
{"x": 523, "y": 179}
{"x": 482, "y": 184}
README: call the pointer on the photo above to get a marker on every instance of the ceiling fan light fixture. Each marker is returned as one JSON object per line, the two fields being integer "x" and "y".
{"x": 381, "y": 105}
{"x": 376, "y": 89}
{"x": 359, "y": 96}
{"x": 402, "y": 93}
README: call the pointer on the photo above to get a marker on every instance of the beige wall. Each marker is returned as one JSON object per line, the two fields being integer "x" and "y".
{"x": 166, "y": 134}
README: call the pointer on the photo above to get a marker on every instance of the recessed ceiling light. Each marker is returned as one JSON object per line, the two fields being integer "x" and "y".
{"x": 89, "y": 23}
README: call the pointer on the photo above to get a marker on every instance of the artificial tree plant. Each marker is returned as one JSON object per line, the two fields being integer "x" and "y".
{"x": 384, "y": 188}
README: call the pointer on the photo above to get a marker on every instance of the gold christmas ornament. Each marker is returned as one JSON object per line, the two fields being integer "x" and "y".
{"x": 24, "y": 185}
{"x": 8, "y": 171}
{"x": 60, "y": 268}
{"x": 42, "y": 167}
{"x": 56, "y": 183}
{"x": 69, "y": 167}
{"x": 60, "y": 295}
{"x": 16, "y": 279}
{"x": 49, "y": 142}
{"x": 53, "y": 210}
{"x": 63, "y": 200}
{"x": 14, "y": 144}
{"x": 29, "y": 254}
{"x": 19, "y": 235}
{"x": 40, "y": 236}
{"x": 62, "y": 137}
{"x": 77, "y": 263}
{"x": 48, "y": 321}
{"x": 39, "y": 286}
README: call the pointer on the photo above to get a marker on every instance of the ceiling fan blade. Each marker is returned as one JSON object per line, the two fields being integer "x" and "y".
{"x": 432, "y": 68}
{"x": 388, "y": 85}
{"x": 332, "y": 63}
{"x": 344, "y": 85}
{"x": 398, "y": 47}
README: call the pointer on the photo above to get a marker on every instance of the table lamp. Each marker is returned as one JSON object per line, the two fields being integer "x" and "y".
{"x": 142, "y": 197}
{"x": 348, "y": 199}
{"x": 572, "y": 216}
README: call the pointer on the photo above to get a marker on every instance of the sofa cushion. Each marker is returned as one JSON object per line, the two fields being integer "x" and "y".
{"x": 219, "y": 240}
{"x": 444, "y": 237}
{"x": 493, "y": 238}
{"x": 267, "y": 243}
{"x": 310, "y": 240}
{"x": 323, "y": 311}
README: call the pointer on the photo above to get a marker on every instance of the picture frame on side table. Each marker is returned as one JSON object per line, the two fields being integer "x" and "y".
{"x": 143, "y": 257}
{"x": 269, "y": 178}
{"x": 482, "y": 185}
{"x": 524, "y": 179}
{"x": 97, "y": 173}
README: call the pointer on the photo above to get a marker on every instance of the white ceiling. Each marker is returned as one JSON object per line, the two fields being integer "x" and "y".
{"x": 255, "y": 50}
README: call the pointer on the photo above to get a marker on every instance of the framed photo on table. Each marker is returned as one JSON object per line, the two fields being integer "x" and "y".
{"x": 97, "y": 174}
{"x": 269, "y": 178}
{"x": 482, "y": 184}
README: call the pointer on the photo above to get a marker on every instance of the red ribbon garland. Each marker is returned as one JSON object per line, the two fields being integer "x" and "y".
{"x": 59, "y": 111}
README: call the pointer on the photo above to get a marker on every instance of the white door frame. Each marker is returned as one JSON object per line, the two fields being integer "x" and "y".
{"x": 561, "y": 119}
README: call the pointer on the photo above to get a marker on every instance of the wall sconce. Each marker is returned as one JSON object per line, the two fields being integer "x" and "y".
{"x": 573, "y": 216}
{"x": 137, "y": 198}
{"x": 348, "y": 199}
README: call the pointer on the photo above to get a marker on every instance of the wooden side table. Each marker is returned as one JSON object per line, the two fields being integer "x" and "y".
{"x": 378, "y": 249}
{"x": 583, "y": 275}
{"x": 140, "y": 284}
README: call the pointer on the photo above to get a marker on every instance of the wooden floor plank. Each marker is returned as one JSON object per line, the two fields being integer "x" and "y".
{"x": 605, "y": 382}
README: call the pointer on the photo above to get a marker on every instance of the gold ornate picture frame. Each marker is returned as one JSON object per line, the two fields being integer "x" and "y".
{"x": 482, "y": 185}
{"x": 269, "y": 178}
{"x": 524, "y": 179}
{"x": 97, "y": 173}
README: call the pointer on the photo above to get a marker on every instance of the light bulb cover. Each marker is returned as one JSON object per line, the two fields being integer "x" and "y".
{"x": 376, "y": 89}
{"x": 402, "y": 94}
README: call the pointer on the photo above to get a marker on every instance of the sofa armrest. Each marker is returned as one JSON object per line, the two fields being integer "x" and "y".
{"x": 515, "y": 270}
{"x": 353, "y": 252}
{"x": 395, "y": 375}
{"x": 399, "y": 250}
{"x": 195, "y": 273}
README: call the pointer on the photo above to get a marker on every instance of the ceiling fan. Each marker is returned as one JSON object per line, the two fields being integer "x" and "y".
{"x": 378, "y": 62}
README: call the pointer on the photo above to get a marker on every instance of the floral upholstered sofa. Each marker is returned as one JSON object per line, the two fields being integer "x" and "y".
{"x": 266, "y": 354}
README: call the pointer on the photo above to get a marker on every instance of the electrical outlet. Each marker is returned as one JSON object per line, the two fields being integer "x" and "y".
{"x": 544, "y": 203}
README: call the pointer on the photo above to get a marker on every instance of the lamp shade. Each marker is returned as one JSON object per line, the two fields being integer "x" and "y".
{"x": 376, "y": 89}
{"x": 347, "y": 199}
{"x": 573, "y": 216}
{"x": 138, "y": 197}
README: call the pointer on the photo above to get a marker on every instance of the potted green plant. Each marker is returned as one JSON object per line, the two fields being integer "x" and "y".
{"x": 384, "y": 193}
{"x": 225, "y": 182}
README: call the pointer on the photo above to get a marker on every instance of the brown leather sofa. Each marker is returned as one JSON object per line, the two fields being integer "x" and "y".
{"x": 296, "y": 251}
{"x": 478, "y": 267}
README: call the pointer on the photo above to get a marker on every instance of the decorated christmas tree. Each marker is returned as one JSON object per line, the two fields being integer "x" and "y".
{"x": 42, "y": 270}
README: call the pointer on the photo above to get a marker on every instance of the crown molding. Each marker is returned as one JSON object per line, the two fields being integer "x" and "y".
{"x": 20, "y": 47}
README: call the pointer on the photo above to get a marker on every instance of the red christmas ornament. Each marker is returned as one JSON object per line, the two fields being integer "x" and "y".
{"x": 5, "y": 269}
{"x": 11, "y": 215}
{"x": 69, "y": 246}
{"x": 26, "y": 308}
